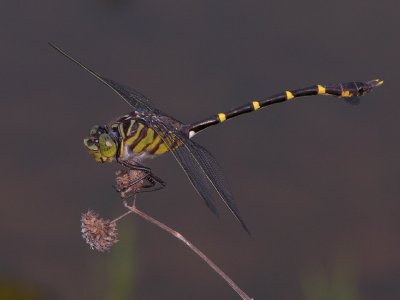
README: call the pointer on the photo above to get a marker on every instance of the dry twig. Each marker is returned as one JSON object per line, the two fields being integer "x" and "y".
{"x": 102, "y": 234}
{"x": 179, "y": 236}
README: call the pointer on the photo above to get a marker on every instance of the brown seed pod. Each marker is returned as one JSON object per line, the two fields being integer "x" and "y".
{"x": 99, "y": 234}
{"x": 129, "y": 181}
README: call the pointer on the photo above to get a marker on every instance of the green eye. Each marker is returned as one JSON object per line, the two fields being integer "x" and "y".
{"x": 93, "y": 130}
{"x": 108, "y": 148}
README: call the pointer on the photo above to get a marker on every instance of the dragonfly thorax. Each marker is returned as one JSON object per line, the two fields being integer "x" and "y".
{"x": 100, "y": 144}
{"x": 137, "y": 140}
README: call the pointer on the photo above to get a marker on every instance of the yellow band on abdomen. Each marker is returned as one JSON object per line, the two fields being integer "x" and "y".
{"x": 256, "y": 105}
{"x": 289, "y": 95}
{"x": 346, "y": 94}
{"x": 321, "y": 90}
{"x": 221, "y": 117}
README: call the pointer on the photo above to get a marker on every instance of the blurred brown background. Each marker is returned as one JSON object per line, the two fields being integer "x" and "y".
{"x": 315, "y": 180}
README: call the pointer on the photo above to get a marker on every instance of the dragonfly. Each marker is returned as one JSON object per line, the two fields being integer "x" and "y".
{"x": 148, "y": 132}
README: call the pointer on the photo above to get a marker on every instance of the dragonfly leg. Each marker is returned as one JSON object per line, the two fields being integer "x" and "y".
{"x": 129, "y": 180}
{"x": 154, "y": 184}
{"x": 137, "y": 179}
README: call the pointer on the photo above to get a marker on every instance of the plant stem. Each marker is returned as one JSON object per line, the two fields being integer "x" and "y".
{"x": 179, "y": 236}
{"x": 122, "y": 216}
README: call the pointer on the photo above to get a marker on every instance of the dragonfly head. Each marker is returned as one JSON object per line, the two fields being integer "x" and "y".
{"x": 100, "y": 144}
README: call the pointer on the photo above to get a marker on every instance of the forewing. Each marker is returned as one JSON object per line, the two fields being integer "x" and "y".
{"x": 130, "y": 95}
{"x": 201, "y": 168}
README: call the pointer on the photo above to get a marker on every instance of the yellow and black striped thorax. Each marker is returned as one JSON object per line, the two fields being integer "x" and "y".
{"x": 136, "y": 138}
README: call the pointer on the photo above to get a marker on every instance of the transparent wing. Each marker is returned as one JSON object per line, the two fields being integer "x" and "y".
{"x": 130, "y": 95}
{"x": 201, "y": 168}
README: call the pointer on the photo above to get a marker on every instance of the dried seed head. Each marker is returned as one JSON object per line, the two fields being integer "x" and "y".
{"x": 99, "y": 234}
{"x": 129, "y": 181}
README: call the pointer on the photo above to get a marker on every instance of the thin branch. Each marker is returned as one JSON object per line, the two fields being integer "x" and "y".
{"x": 122, "y": 216}
{"x": 179, "y": 236}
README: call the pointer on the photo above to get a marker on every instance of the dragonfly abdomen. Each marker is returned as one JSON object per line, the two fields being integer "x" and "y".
{"x": 348, "y": 91}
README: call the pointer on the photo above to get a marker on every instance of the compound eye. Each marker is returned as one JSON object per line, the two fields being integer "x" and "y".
{"x": 94, "y": 130}
{"x": 108, "y": 148}
{"x": 90, "y": 144}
